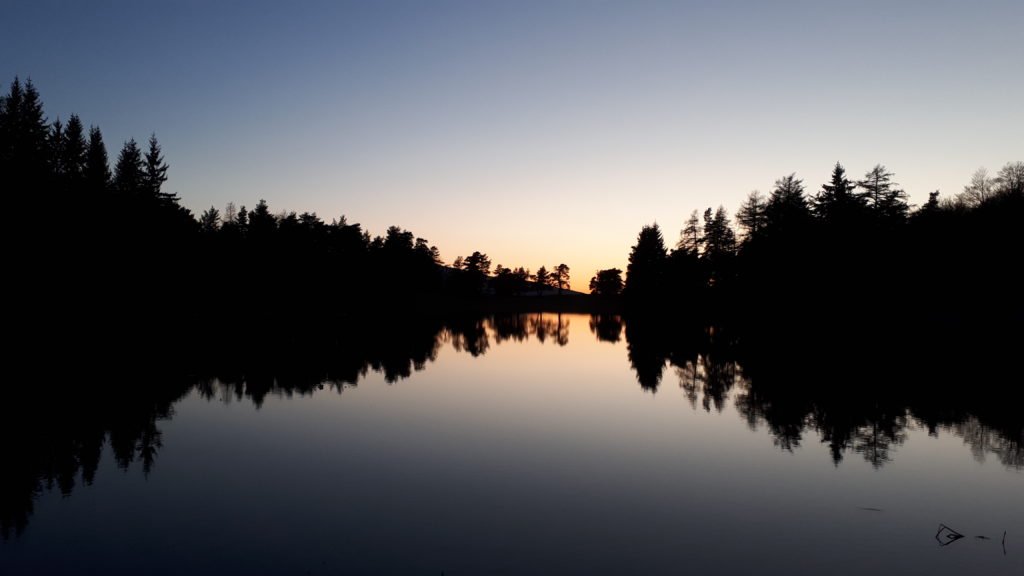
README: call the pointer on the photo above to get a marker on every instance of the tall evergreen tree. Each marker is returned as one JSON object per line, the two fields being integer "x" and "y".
{"x": 787, "y": 211}
{"x": 155, "y": 173}
{"x": 719, "y": 246}
{"x": 751, "y": 216}
{"x": 74, "y": 152}
{"x": 262, "y": 223}
{"x": 719, "y": 238}
{"x": 23, "y": 141}
{"x": 838, "y": 201}
{"x": 646, "y": 269}
{"x": 884, "y": 197}
{"x": 129, "y": 170}
{"x": 55, "y": 152}
{"x": 209, "y": 221}
{"x": 690, "y": 239}
{"x": 97, "y": 177}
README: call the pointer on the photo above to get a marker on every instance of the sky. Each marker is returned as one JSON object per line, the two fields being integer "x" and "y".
{"x": 536, "y": 132}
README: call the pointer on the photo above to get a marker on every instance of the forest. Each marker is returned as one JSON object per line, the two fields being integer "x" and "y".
{"x": 97, "y": 243}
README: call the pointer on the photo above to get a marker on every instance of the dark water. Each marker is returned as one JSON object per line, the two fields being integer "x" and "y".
{"x": 519, "y": 445}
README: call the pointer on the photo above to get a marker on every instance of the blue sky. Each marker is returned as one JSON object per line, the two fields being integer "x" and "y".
{"x": 538, "y": 132}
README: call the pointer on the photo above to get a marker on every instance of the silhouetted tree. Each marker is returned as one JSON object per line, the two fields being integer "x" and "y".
{"x": 128, "y": 171}
{"x": 155, "y": 173}
{"x": 542, "y": 279}
{"x": 838, "y": 201}
{"x": 979, "y": 190}
{"x": 476, "y": 267}
{"x": 74, "y": 149}
{"x": 787, "y": 212}
{"x": 509, "y": 281}
{"x": 262, "y": 223}
{"x": 477, "y": 263}
{"x": 97, "y": 167}
{"x": 562, "y": 277}
{"x": 209, "y": 221}
{"x": 1010, "y": 179}
{"x": 751, "y": 216}
{"x": 645, "y": 273}
{"x": 719, "y": 246}
{"x": 607, "y": 282}
{"x": 719, "y": 238}
{"x": 690, "y": 239}
{"x": 23, "y": 140}
{"x": 884, "y": 198}
{"x": 55, "y": 151}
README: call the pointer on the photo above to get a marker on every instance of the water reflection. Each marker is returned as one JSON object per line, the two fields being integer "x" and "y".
{"x": 53, "y": 439}
{"x": 790, "y": 386}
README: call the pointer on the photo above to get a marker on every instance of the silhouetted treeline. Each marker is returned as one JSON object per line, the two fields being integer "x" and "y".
{"x": 851, "y": 251}
{"x": 101, "y": 242}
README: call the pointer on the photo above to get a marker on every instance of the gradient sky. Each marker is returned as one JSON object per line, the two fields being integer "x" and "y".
{"x": 537, "y": 132}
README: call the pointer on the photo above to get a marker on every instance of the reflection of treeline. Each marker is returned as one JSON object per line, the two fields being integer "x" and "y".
{"x": 859, "y": 393}
{"x": 52, "y": 436}
{"x": 850, "y": 395}
{"x": 850, "y": 250}
{"x": 395, "y": 347}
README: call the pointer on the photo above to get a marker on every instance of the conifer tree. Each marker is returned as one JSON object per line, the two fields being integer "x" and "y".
{"x": 690, "y": 239}
{"x": 155, "y": 174}
{"x": 838, "y": 200}
{"x": 23, "y": 141}
{"x": 751, "y": 215}
{"x": 74, "y": 153}
{"x": 129, "y": 170}
{"x": 542, "y": 278}
{"x": 55, "y": 152}
{"x": 97, "y": 177}
{"x": 787, "y": 212}
{"x": 884, "y": 197}
{"x": 209, "y": 221}
{"x": 646, "y": 269}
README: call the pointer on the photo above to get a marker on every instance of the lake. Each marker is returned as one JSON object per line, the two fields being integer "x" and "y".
{"x": 522, "y": 444}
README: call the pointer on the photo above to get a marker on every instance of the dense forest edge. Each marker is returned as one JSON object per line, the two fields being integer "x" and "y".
{"x": 99, "y": 246}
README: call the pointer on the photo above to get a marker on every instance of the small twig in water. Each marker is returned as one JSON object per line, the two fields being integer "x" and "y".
{"x": 950, "y": 535}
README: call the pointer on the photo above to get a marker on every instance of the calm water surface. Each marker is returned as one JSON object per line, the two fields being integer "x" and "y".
{"x": 529, "y": 453}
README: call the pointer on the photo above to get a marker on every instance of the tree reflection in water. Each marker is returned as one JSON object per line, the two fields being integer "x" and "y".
{"x": 53, "y": 437}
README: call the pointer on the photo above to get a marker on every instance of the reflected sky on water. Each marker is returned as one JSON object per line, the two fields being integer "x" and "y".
{"x": 530, "y": 444}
